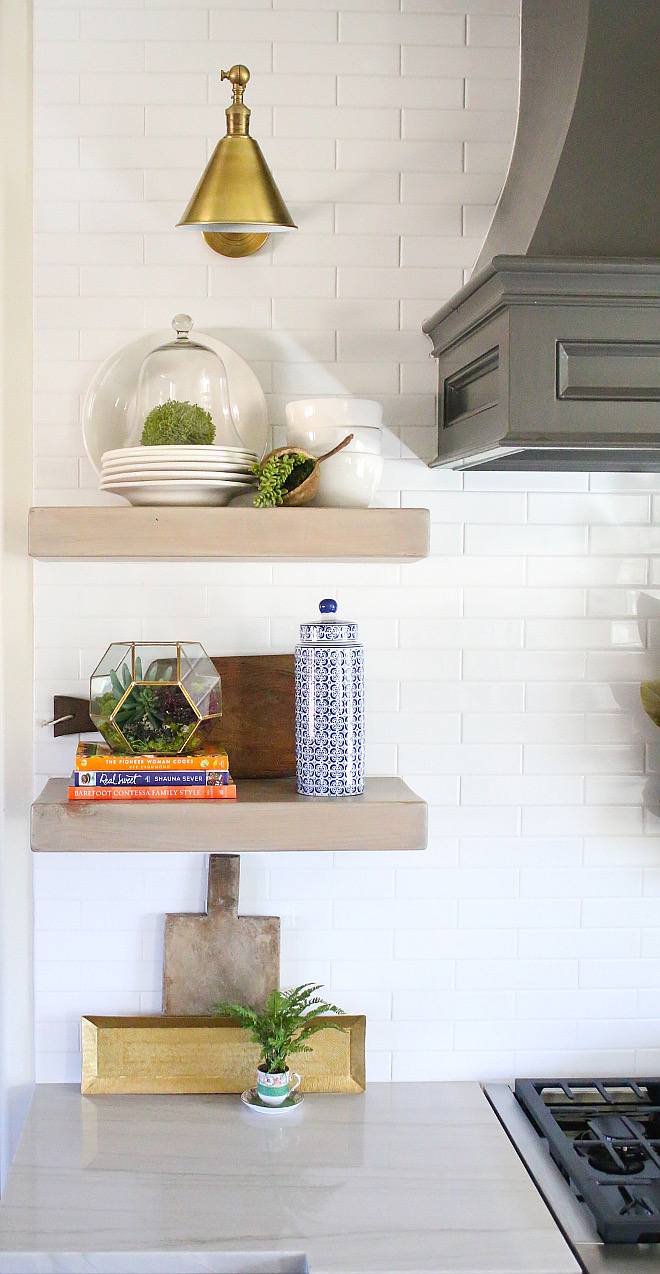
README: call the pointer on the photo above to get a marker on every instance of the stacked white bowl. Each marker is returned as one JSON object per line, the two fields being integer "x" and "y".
{"x": 350, "y": 479}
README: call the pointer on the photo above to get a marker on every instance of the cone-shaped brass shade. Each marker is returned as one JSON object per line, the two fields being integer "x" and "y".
{"x": 237, "y": 192}
{"x": 237, "y": 197}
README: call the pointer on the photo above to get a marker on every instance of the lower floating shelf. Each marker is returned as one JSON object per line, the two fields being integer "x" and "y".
{"x": 268, "y": 814}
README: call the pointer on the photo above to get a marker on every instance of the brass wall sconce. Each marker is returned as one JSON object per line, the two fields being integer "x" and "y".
{"x": 236, "y": 204}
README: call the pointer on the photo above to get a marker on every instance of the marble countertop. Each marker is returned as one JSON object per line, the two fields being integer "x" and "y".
{"x": 405, "y": 1178}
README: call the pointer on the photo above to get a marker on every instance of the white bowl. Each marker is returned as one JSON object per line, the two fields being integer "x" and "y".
{"x": 319, "y": 438}
{"x": 334, "y": 411}
{"x": 349, "y": 481}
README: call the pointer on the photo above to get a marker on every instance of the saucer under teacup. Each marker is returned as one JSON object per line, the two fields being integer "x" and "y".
{"x": 251, "y": 1099}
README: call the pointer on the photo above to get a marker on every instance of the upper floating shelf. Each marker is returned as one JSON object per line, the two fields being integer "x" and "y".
{"x": 268, "y": 814}
{"x": 395, "y": 535}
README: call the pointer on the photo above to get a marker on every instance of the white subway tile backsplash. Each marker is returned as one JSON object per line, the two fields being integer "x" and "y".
{"x": 236, "y": 24}
{"x": 141, "y": 153}
{"x": 450, "y": 188}
{"x": 493, "y": 32}
{"x": 486, "y": 157}
{"x": 336, "y": 122}
{"x": 50, "y": 24}
{"x": 89, "y": 121}
{"x": 536, "y": 541}
{"x": 308, "y": 248}
{"x": 372, "y": 60}
{"x": 544, "y": 943}
{"x": 403, "y": 28}
{"x": 463, "y": 634}
{"x": 142, "y": 88}
{"x": 106, "y": 22}
{"x": 204, "y": 55}
{"x": 400, "y": 156}
{"x": 452, "y": 6}
{"x": 419, "y": 251}
{"x": 612, "y": 821}
{"x": 627, "y": 539}
{"x": 400, "y": 90}
{"x": 591, "y": 509}
{"x": 381, "y": 975}
{"x": 588, "y": 571}
{"x": 526, "y": 935}
{"x": 480, "y": 63}
{"x": 493, "y": 95}
{"x": 64, "y": 54}
{"x": 517, "y": 974}
{"x": 462, "y": 125}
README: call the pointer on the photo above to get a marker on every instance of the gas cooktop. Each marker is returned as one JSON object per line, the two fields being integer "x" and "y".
{"x": 604, "y": 1136}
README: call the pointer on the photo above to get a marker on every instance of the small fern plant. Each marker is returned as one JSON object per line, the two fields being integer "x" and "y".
{"x": 288, "y": 1019}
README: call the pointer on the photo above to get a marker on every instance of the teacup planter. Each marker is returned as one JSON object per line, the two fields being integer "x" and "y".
{"x": 273, "y": 1088}
{"x": 288, "y": 1019}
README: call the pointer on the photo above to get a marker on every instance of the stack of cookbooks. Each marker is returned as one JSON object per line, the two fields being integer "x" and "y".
{"x": 101, "y": 774}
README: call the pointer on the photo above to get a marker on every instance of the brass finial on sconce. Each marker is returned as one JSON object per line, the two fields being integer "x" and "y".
{"x": 237, "y": 204}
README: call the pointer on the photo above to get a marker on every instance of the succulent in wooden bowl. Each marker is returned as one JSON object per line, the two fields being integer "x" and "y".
{"x": 289, "y": 476}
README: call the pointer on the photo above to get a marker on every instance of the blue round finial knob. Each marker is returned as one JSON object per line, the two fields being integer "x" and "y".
{"x": 328, "y": 606}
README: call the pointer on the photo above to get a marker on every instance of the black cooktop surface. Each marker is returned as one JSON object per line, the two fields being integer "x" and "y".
{"x": 604, "y": 1136}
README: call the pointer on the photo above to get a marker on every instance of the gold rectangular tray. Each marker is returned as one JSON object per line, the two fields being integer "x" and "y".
{"x": 161, "y": 1054}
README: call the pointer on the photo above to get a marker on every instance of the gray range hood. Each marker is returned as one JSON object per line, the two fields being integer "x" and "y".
{"x": 549, "y": 358}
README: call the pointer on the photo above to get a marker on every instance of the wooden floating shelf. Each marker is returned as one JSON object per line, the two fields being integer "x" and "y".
{"x": 260, "y": 535}
{"x": 268, "y": 814}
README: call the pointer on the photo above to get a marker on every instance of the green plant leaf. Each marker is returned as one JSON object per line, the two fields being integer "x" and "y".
{"x": 116, "y": 684}
{"x": 286, "y": 1021}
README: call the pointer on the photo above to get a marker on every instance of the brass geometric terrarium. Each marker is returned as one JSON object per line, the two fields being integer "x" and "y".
{"x": 154, "y": 696}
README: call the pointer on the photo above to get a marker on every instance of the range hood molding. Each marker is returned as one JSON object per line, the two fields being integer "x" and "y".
{"x": 551, "y": 365}
{"x": 550, "y": 356}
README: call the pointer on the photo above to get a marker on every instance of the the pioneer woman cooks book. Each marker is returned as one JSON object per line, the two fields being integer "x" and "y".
{"x": 98, "y": 756}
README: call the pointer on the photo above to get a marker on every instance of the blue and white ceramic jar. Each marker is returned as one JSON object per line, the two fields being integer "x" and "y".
{"x": 329, "y": 707}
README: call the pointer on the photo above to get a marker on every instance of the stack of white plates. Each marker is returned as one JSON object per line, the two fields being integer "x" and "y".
{"x": 177, "y": 475}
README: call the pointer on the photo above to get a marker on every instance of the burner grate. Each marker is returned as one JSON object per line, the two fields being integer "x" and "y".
{"x": 604, "y": 1136}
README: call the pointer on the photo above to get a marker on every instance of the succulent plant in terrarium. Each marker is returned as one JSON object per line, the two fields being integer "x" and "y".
{"x": 154, "y": 698}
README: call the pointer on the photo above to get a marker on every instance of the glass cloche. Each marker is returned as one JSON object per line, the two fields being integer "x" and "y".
{"x": 188, "y": 372}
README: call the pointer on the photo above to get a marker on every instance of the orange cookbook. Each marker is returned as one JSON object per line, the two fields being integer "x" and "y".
{"x": 224, "y": 793}
{"x": 98, "y": 756}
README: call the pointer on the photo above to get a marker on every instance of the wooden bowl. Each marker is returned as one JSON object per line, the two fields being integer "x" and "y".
{"x": 304, "y": 493}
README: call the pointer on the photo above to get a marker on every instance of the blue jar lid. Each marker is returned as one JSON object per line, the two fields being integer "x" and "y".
{"x": 329, "y": 630}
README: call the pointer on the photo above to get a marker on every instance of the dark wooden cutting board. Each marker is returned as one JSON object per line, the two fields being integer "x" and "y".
{"x": 257, "y": 727}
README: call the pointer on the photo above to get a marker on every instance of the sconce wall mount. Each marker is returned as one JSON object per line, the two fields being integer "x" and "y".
{"x": 237, "y": 204}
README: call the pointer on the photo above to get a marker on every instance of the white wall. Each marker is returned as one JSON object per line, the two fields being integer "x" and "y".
{"x": 16, "y": 1047}
{"x": 502, "y": 672}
